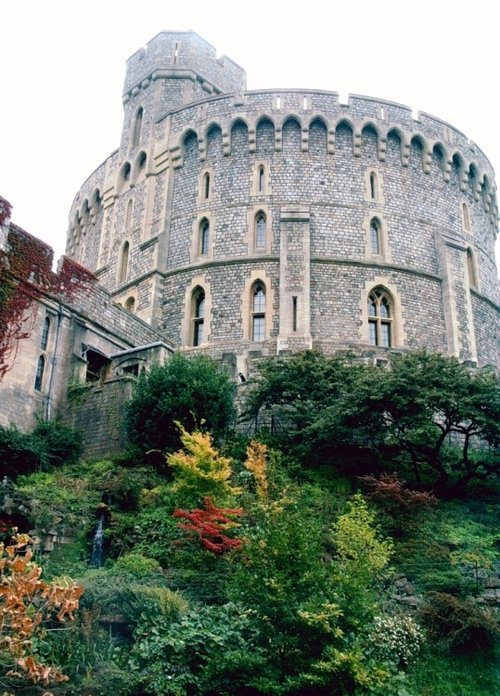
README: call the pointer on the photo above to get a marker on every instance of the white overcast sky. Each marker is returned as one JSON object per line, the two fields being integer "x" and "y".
{"x": 62, "y": 66}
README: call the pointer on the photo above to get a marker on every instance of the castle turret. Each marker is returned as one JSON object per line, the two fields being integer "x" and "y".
{"x": 175, "y": 69}
{"x": 249, "y": 223}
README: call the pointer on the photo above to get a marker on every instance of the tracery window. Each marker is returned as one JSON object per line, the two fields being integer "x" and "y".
{"x": 204, "y": 237}
{"x": 258, "y": 312}
{"x": 260, "y": 230}
{"x": 380, "y": 318}
{"x": 198, "y": 316}
{"x": 39, "y": 373}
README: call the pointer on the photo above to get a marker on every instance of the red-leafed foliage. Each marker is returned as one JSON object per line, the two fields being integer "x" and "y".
{"x": 25, "y": 274}
{"x": 389, "y": 492}
{"x": 210, "y": 525}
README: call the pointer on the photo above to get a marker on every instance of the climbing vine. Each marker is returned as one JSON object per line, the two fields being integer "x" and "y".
{"x": 25, "y": 275}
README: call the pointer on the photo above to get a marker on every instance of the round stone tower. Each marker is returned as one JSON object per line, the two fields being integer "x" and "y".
{"x": 250, "y": 223}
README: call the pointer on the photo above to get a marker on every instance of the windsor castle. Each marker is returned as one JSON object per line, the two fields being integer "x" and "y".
{"x": 247, "y": 224}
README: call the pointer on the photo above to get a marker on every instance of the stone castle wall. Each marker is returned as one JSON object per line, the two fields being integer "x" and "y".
{"x": 97, "y": 411}
{"x": 329, "y": 170}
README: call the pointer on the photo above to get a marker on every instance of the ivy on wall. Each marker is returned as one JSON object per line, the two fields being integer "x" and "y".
{"x": 25, "y": 275}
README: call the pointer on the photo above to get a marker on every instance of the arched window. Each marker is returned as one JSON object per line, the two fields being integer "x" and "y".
{"x": 39, "y": 373}
{"x": 130, "y": 304}
{"x": 375, "y": 241}
{"x": 45, "y": 334}
{"x": 373, "y": 186}
{"x": 206, "y": 186}
{"x": 380, "y": 318}
{"x": 260, "y": 230}
{"x": 258, "y": 312}
{"x": 261, "y": 178}
{"x": 122, "y": 276}
{"x": 198, "y": 314}
{"x": 141, "y": 163}
{"x": 126, "y": 171}
{"x": 466, "y": 217}
{"x": 137, "y": 127}
{"x": 471, "y": 268}
{"x": 204, "y": 237}
{"x": 128, "y": 216}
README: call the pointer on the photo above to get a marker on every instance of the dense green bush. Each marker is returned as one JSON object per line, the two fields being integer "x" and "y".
{"x": 49, "y": 445}
{"x": 209, "y": 649}
{"x": 57, "y": 444}
{"x": 338, "y": 409}
{"x": 18, "y": 452}
{"x": 460, "y": 624}
{"x": 194, "y": 391}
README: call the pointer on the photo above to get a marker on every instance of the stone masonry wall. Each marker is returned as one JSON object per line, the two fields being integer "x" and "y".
{"x": 429, "y": 188}
{"x": 97, "y": 411}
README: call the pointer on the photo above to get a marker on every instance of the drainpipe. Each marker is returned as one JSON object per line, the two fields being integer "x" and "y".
{"x": 48, "y": 408}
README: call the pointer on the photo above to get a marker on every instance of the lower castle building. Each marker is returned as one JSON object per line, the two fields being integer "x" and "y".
{"x": 249, "y": 223}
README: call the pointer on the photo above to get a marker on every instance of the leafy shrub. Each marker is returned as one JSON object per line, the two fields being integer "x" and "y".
{"x": 396, "y": 639}
{"x": 27, "y": 603}
{"x": 18, "y": 452}
{"x": 136, "y": 565}
{"x": 49, "y": 445}
{"x": 134, "y": 598}
{"x": 209, "y": 649}
{"x": 57, "y": 444}
{"x": 194, "y": 391}
{"x": 446, "y": 579}
{"x": 362, "y": 556}
{"x": 200, "y": 471}
{"x": 57, "y": 494}
{"x": 107, "y": 678}
{"x": 154, "y": 532}
{"x": 460, "y": 624}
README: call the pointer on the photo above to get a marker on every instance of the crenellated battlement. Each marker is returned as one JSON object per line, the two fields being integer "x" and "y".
{"x": 360, "y": 113}
{"x": 182, "y": 54}
{"x": 304, "y": 200}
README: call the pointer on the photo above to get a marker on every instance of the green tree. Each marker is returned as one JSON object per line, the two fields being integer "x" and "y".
{"x": 429, "y": 414}
{"x": 200, "y": 471}
{"x": 194, "y": 391}
{"x": 444, "y": 417}
{"x": 310, "y": 586}
{"x": 361, "y": 558}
